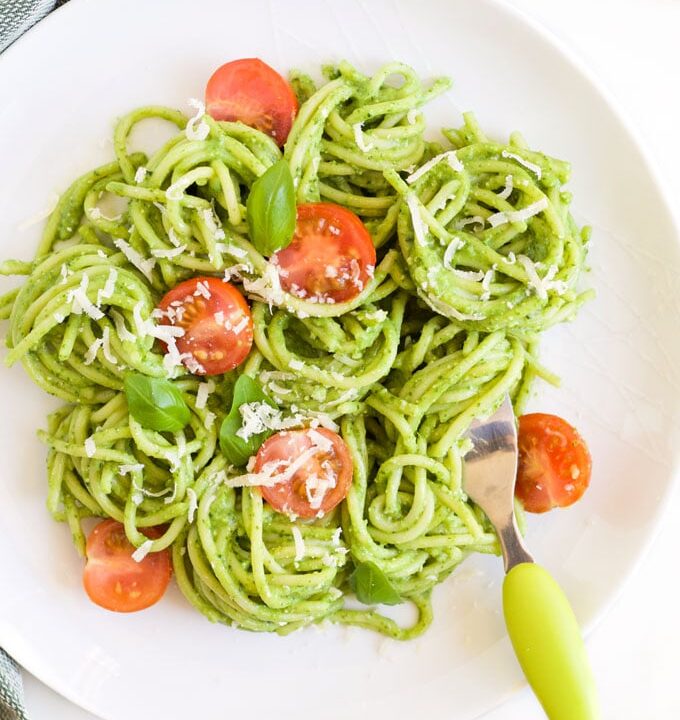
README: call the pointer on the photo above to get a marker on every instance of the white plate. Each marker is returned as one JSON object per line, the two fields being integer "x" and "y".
{"x": 91, "y": 61}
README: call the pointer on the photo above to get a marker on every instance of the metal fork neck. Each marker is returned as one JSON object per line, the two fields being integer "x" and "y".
{"x": 512, "y": 545}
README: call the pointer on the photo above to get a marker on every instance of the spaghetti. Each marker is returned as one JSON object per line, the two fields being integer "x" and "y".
{"x": 477, "y": 254}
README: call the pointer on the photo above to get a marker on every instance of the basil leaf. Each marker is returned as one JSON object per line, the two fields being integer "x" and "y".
{"x": 372, "y": 587}
{"x": 234, "y": 448}
{"x": 270, "y": 209}
{"x": 155, "y": 403}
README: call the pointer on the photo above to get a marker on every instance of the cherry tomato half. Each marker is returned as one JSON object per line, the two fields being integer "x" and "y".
{"x": 215, "y": 317}
{"x": 115, "y": 581}
{"x": 554, "y": 463}
{"x": 254, "y": 93}
{"x": 331, "y": 257}
{"x": 321, "y": 482}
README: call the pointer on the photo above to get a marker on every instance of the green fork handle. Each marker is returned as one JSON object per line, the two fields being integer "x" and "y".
{"x": 547, "y": 641}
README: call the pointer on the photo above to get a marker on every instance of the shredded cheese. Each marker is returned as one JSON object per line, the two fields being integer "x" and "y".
{"x": 450, "y": 157}
{"x": 109, "y": 286}
{"x": 90, "y": 447}
{"x": 450, "y": 251}
{"x": 133, "y": 467}
{"x": 266, "y": 288}
{"x": 541, "y": 285}
{"x": 106, "y": 346}
{"x": 507, "y": 190}
{"x": 81, "y": 303}
{"x": 360, "y": 138}
{"x": 269, "y": 476}
{"x": 488, "y": 277}
{"x": 123, "y": 333}
{"x": 528, "y": 165}
{"x": 202, "y": 130}
{"x": 140, "y": 174}
{"x": 142, "y": 551}
{"x": 145, "y": 266}
{"x": 300, "y": 548}
{"x": 169, "y": 253}
{"x": 193, "y": 504}
{"x": 500, "y": 218}
{"x": 416, "y": 218}
{"x": 92, "y": 351}
{"x": 203, "y": 392}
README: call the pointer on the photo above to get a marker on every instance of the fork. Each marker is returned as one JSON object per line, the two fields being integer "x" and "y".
{"x": 543, "y": 629}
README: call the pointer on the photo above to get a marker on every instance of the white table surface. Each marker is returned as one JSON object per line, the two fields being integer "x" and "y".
{"x": 633, "y": 46}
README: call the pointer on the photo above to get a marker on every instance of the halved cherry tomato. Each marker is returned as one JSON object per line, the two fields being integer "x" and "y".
{"x": 254, "y": 93}
{"x": 554, "y": 463}
{"x": 322, "y": 480}
{"x": 331, "y": 257}
{"x": 215, "y": 317}
{"x": 115, "y": 581}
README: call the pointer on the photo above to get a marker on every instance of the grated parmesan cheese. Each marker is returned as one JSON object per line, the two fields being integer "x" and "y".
{"x": 541, "y": 285}
{"x": 528, "y": 165}
{"x": 169, "y": 253}
{"x": 300, "y": 548}
{"x": 474, "y": 275}
{"x": 267, "y": 287}
{"x": 92, "y": 351}
{"x": 193, "y": 504}
{"x": 202, "y": 130}
{"x": 109, "y": 286}
{"x": 140, "y": 174}
{"x": 142, "y": 551}
{"x": 507, "y": 190}
{"x": 377, "y": 315}
{"x": 121, "y": 330}
{"x": 474, "y": 220}
{"x": 203, "y": 392}
{"x": 90, "y": 447}
{"x": 133, "y": 467}
{"x": 175, "y": 191}
{"x": 488, "y": 276}
{"x": 202, "y": 290}
{"x": 450, "y": 251}
{"x": 80, "y": 303}
{"x": 360, "y": 138}
{"x": 501, "y": 218}
{"x": 276, "y": 388}
{"x": 269, "y": 476}
{"x": 450, "y": 157}
{"x": 106, "y": 346}
{"x": 145, "y": 266}
{"x": 416, "y": 218}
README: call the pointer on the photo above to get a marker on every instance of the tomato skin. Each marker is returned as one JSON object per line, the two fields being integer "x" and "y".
{"x": 251, "y": 91}
{"x": 331, "y": 257}
{"x": 293, "y": 496}
{"x": 554, "y": 463}
{"x": 216, "y": 347}
{"x": 116, "y": 582}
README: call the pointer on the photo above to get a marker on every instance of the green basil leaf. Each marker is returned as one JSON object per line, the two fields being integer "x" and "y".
{"x": 372, "y": 587}
{"x": 156, "y": 403}
{"x": 271, "y": 209}
{"x": 234, "y": 448}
